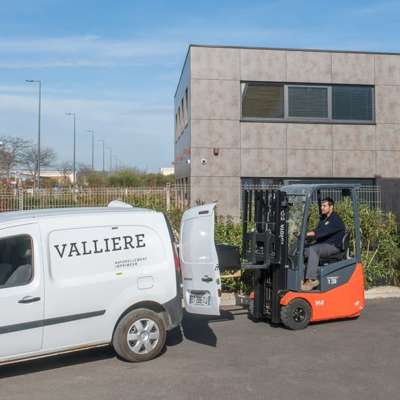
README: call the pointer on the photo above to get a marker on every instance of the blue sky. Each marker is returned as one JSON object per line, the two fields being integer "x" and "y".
{"x": 116, "y": 63}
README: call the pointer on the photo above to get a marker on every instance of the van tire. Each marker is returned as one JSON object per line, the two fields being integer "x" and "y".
{"x": 296, "y": 315}
{"x": 148, "y": 335}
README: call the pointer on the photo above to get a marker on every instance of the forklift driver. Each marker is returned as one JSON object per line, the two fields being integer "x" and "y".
{"x": 328, "y": 236}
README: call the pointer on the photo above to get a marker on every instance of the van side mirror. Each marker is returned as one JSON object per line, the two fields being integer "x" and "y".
{"x": 228, "y": 257}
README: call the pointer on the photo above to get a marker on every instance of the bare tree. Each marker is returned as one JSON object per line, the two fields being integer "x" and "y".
{"x": 30, "y": 156}
{"x": 12, "y": 152}
{"x": 66, "y": 170}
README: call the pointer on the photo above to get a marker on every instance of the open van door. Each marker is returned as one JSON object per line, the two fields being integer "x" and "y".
{"x": 199, "y": 261}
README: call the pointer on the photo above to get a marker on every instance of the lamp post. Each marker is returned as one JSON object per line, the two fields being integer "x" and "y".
{"x": 102, "y": 141}
{"x": 92, "y": 132}
{"x": 110, "y": 150}
{"x": 39, "y": 82}
{"x": 74, "y": 152}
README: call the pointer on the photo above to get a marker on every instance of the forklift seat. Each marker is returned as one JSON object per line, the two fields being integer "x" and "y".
{"x": 343, "y": 254}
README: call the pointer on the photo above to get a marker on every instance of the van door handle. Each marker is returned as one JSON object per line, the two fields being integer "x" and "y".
{"x": 28, "y": 299}
{"x": 206, "y": 279}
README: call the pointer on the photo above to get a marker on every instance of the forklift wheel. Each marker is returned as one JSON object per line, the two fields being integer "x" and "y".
{"x": 296, "y": 315}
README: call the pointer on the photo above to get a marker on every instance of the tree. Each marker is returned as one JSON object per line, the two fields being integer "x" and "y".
{"x": 65, "y": 170}
{"x": 30, "y": 156}
{"x": 12, "y": 152}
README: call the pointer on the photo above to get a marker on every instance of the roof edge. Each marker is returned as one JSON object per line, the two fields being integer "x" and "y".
{"x": 182, "y": 69}
{"x": 296, "y": 49}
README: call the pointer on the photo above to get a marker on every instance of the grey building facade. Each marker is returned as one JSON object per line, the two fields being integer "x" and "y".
{"x": 258, "y": 115}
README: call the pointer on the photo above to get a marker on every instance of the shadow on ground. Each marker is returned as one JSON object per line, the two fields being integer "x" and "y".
{"x": 195, "y": 328}
{"x": 60, "y": 361}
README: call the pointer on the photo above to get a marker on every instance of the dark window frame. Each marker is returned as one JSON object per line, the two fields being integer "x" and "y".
{"x": 287, "y": 119}
{"x": 372, "y": 94}
{"x": 297, "y": 118}
{"x": 244, "y": 90}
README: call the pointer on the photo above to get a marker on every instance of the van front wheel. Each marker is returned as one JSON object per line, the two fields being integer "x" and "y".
{"x": 140, "y": 336}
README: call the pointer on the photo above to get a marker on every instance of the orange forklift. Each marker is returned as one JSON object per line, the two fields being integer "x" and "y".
{"x": 275, "y": 223}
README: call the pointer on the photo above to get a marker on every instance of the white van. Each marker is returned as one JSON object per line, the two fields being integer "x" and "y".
{"x": 71, "y": 279}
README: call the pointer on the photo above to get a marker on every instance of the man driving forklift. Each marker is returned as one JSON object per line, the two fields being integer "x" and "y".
{"x": 328, "y": 236}
{"x": 275, "y": 228}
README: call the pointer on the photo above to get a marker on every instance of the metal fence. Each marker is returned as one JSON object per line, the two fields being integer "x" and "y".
{"x": 161, "y": 198}
{"x": 367, "y": 194}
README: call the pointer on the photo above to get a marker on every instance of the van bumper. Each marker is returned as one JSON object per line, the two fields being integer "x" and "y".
{"x": 174, "y": 312}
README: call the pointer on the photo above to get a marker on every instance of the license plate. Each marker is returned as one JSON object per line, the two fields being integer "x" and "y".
{"x": 200, "y": 299}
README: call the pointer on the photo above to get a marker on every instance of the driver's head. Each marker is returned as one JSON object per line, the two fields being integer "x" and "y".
{"x": 327, "y": 206}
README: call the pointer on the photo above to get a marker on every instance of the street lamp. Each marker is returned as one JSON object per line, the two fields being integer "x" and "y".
{"x": 92, "y": 132}
{"x": 39, "y": 82}
{"x": 100, "y": 140}
{"x": 74, "y": 155}
{"x": 110, "y": 150}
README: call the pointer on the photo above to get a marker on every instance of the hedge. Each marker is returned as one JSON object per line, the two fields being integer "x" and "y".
{"x": 380, "y": 242}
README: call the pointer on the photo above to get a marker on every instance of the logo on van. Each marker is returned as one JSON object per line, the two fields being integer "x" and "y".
{"x": 106, "y": 245}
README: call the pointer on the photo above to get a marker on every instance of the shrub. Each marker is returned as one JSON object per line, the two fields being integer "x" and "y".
{"x": 380, "y": 243}
{"x": 380, "y": 252}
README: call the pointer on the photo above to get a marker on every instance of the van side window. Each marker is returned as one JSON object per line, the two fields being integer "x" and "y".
{"x": 15, "y": 261}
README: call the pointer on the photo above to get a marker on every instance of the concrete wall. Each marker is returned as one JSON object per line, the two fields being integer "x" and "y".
{"x": 234, "y": 149}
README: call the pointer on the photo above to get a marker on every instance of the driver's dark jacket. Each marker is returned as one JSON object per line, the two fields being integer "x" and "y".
{"x": 330, "y": 230}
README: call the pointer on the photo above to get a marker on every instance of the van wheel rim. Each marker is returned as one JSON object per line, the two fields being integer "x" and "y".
{"x": 143, "y": 336}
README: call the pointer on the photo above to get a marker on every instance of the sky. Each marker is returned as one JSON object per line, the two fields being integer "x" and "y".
{"x": 116, "y": 64}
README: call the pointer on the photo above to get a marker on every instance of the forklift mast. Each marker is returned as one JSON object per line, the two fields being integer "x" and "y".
{"x": 265, "y": 249}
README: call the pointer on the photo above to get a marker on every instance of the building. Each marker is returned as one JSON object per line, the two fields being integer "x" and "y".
{"x": 166, "y": 171}
{"x": 260, "y": 115}
{"x": 62, "y": 177}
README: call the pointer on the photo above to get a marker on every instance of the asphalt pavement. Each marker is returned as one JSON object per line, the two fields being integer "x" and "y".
{"x": 232, "y": 357}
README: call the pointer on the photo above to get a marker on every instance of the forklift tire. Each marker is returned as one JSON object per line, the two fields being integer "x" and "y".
{"x": 296, "y": 315}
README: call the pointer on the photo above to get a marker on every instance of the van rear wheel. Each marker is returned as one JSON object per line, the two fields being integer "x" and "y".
{"x": 140, "y": 336}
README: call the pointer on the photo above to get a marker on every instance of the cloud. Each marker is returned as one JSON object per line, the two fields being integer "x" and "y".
{"x": 84, "y": 51}
{"x": 378, "y": 9}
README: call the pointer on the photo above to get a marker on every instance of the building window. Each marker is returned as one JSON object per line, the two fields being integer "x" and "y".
{"x": 262, "y": 100}
{"x": 176, "y": 126}
{"x": 307, "y": 102}
{"x": 180, "y": 119}
{"x": 352, "y": 103}
{"x": 183, "y": 114}
{"x": 187, "y": 104}
{"x": 303, "y": 103}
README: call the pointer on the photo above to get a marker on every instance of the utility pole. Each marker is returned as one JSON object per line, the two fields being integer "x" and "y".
{"x": 74, "y": 151}
{"x": 39, "y": 82}
{"x": 116, "y": 166}
{"x": 102, "y": 141}
{"x": 110, "y": 165}
{"x": 92, "y": 132}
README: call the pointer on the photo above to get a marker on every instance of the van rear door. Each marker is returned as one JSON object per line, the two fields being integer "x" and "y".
{"x": 199, "y": 261}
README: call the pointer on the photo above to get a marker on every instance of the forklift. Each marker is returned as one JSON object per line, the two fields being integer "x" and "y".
{"x": 275, "y": 223}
